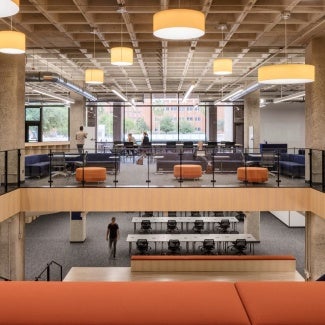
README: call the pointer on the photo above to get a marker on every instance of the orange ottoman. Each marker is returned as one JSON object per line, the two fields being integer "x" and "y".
{"x": 188, "y": 171}
{"x": 91, "y": 174}
{"x": 252, "y": 174}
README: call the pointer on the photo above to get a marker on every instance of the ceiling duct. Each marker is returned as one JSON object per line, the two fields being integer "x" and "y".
{"x": 56, "y": 78}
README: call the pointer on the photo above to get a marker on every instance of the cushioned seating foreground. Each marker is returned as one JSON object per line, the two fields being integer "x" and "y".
{"x": 252, "y": 174}
{"x": 121, "y": 303}
{"x": 188, "y": 171}
{"x": 91, "y": 174}
{"x": 289, "y": 303}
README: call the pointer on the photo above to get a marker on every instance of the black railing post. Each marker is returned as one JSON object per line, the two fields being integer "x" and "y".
{"x": 278, "y": 168}
{"x": 180, "y": 180}
{"x": 48, "y": 272}
{"x": 50, "y": 168}
{"x": 6, "y": 172}
{"x": 18, "y": 168}
{"x": 149, "y": 154}
{"x": 310, "y": 167}
{"x": 115, "y": 153}
{"x": 213, "y": 181}
{"x": 323, "y": 171}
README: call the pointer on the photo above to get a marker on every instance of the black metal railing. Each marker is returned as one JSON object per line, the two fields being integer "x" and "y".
{"x": 47, "y": 272}
{"x": 2, "y": 278}
{"x": 220, "y": 159}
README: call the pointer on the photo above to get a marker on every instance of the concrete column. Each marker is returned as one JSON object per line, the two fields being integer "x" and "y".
{"x": 117, "y": 122}
{"x": 77, "y": 118}
{"x": 252, "y": 118}
{"x": 12, "y": 106}
{"x": 314, "y": 106}
{"x": 315, "y": 246}
{"x": 78, "y": 226}
{"x": 212, "y": 126}
{"x": 252, "y": 224}
{"x": 315, "y": 123}
{"x": 12, "y": 247}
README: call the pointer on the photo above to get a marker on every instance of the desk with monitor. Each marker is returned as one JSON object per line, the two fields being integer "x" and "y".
{"x": 185, "y": 220}
{"x": 221, "y": 240}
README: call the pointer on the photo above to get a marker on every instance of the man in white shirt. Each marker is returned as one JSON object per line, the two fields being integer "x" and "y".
{"x": 80, "y": 139}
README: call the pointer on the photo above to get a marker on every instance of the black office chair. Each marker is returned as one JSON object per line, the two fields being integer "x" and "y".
{"x": 58, "y": 164}
{"x": 208, "y": 247}
{"x": 240, "y": 216}
{"x": 195, "y": 214}
{"x": 171, "y": 146}
{"x": 174, "y": 246}
{"x": 143, "y": 246}
{"x": 188, "y": 146}
{"x": 172, "y": 227}
{"x": 198, "y": 226}
{"x": 148, "y": 214}
{"x": 145, "y": 227}
{"x": 223, "y": 226}
{"x": 239, "y": 246}
{"x": 172, "y": 213}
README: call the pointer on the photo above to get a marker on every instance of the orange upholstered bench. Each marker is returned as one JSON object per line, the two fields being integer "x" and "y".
{"x": 91, "y": 174}
{"x": 287, "y": 303}
{"x": 136, "y": 303}
{"x": 215, "y": 263}
{"x": 188, "y": 171}
{"x": 252, "y": 174}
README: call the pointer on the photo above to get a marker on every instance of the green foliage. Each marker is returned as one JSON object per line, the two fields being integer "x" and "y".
{"x": 129, "y": 125}
{"x": 186, "y": 127}
{"x": 167, "y": 124}
{"x": 55, "y": 121}
{"x": 33, "y": 114}
{"x": 141, "y": 125}
{"x": 105, "y": 118}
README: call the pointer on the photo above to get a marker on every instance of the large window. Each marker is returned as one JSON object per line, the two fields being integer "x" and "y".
{"x": 105, "y": 123}
{"x": 46, "y": 123}
{"x": 225, "y": 123}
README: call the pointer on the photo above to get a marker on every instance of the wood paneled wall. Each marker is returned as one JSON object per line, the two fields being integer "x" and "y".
{"x": 161, "y": 199}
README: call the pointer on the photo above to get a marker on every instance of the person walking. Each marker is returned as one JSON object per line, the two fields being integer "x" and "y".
{"x": 80, "y": 139}
{"x": 112, "y": 235}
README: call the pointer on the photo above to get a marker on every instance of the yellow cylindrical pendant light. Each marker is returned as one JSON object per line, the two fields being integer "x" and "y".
{"x": 179, "y": 24}
{"x": 222, "y": 67}
{"x": 94, "y": 76}
{"x": 121, "y": 56}
{"x": 280, "y": 74}
{"x": 12, "y": 42}
{"x": 9, "y": 8}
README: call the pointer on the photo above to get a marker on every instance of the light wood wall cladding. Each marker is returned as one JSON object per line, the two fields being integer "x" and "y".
{"x": 35, "y": 148}
{"x": 172, "y": 199}
{"x": 9, "y": 205}
{"x": 317, "y": 203}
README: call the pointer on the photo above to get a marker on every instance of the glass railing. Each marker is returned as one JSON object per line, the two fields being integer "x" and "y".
{"x": 162, "y": 166}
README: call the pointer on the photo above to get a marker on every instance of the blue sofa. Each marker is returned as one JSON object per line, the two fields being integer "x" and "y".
{"x": 108, "y": 160}
{"x": 292, "y": 165}
{"x": 37, "y": 165}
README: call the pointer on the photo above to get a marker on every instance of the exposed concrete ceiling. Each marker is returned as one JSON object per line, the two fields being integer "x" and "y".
{"x": 61, "y": 39}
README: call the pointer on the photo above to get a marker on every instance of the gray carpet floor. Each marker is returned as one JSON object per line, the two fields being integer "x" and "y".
{"x": 137, "y": 175}
{"x": 47, "y": 239}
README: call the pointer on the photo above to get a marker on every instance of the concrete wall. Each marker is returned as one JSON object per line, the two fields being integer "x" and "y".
{"x": 283, "y": 123}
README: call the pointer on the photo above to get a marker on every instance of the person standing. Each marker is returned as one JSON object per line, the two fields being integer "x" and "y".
{"x": 112, "y": 235}
{"x": 80, "y": 139}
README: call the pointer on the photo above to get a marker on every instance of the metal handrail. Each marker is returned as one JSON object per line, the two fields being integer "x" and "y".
{"x": 4, "y": 279}
{"x": 47, "y": 269}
